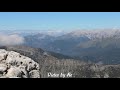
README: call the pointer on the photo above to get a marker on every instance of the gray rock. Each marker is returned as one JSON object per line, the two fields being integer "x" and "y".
{"x": 14, "y": 72}
{"x": 24, "y": 71}
{"x": 3, "y": 67}
{"x": 14, "y": 65}
{"x": 3, "y": 54}
{"x": 106, "y": 75}
{"x": 34, "y": 74}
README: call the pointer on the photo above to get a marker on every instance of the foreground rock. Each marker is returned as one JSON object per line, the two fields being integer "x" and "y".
{"x": 15, "y": 65}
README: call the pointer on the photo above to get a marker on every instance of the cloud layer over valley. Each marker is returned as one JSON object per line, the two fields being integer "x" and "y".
{"x": 13, "y": 39}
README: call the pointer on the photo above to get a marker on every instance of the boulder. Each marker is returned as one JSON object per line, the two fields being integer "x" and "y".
{"x": 3, "y": 67}
{"x": 34, "y": 74}
{"x": 14, "y": 72}
{"x": 3, "y": 54}
{"x": 15, "y": 65}
{"x": 24, "y": 71}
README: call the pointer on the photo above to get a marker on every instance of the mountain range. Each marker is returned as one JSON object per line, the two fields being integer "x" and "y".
{"x": 88, "y": 45}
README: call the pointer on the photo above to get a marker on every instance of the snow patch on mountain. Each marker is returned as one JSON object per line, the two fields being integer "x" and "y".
{"x": 93, "y": 34}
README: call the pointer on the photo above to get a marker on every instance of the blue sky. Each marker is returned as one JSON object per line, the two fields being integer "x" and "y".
{"x": 58, "y": 20}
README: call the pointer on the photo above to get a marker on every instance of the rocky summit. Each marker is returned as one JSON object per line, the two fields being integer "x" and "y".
{"x": 15, "y": 65}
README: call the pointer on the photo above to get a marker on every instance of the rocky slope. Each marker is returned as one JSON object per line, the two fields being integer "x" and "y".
{"x": 15, "y": 65}
{"x": 53, "y": 65}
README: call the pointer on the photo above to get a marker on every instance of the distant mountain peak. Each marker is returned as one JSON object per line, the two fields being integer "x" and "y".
{"x": 92, "y": 34}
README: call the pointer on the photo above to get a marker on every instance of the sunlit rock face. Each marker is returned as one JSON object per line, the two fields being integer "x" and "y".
{"x": 15, "y": 65}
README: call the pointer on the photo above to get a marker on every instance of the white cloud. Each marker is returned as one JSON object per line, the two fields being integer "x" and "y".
{"x": 11, "y": 39}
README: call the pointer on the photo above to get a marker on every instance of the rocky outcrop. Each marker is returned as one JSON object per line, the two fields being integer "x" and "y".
{"x": 18, "y": 65}
{"x": 15, "y": 65}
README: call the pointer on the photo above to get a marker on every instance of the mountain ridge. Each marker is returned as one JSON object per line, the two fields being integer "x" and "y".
{"x": 82, "y": 44}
